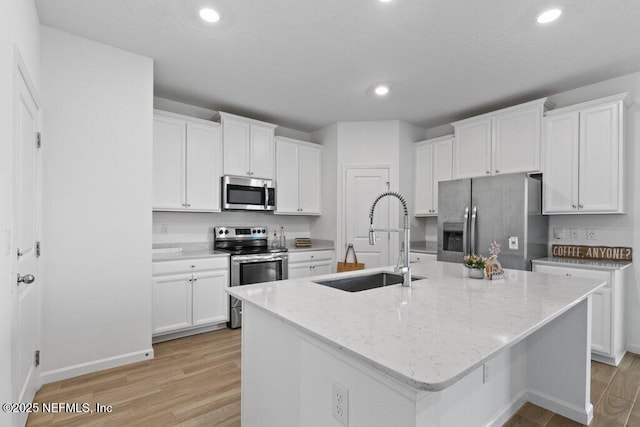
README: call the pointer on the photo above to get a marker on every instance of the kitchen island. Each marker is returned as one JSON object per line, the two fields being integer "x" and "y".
{"x": 448, "y": 351}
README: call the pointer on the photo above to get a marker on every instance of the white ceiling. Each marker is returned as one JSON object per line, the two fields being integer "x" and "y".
{"x": 306, "y": 64}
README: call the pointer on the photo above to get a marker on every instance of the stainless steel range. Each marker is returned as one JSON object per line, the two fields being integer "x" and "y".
{"x": 252, "y": 261}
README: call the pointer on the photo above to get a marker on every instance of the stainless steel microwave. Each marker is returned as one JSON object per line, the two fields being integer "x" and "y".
{"x": 252, "y": 194}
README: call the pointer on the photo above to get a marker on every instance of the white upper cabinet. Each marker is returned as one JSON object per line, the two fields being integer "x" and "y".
{"x": 499, "y": 142}
{"x": 583, "y": 170}
{"x": 187, "y": 163}
{"x": 248, "y": 146}
{"x": 297, "y": 177}
{"x": 433, "y": 162}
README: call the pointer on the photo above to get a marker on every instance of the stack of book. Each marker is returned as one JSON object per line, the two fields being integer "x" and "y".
{"x": 303, "y": 242}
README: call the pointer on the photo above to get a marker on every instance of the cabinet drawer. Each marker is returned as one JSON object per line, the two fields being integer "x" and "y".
{"x": 419, "y": 257}
{"x": 577, "y": 272}
{"x": 189, "y": 265}
{"x": 309, "y": 256}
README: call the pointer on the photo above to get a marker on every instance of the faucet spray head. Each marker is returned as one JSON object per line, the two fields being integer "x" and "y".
{"x": 372, "y": 234}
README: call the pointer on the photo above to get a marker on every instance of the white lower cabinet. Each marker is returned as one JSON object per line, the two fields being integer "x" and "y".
{"x": 607, "y": 309}
{"x": 310, "y": 263}
{"x": 189, "y": 294}
{"x": 420, "y": 257}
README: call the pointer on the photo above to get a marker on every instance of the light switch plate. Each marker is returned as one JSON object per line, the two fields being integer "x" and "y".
{"x": 513, "y": 242}
{"x": 574, "y": 233}
{"x": 558, "y": 233}
{"x": 591, "y": 234}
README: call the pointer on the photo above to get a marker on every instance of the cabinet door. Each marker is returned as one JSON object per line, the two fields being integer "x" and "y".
{"x": 442, "y": 167}
{"x": 210, "y": 301}
{"x": 310, "y": 158}
{"x": 299, "y": 271}
{"x": 517, "y": 143}
{"x": 600, "y": 144}
{"x": 287, "y": 177}
{"x": 423, "y": 167}
{"x": 601, "y": 321}
{"x": 236, "y": 138}
{"x": 473, "y": 148}
{"x": 204, "y": 152}
{"x": 320, "y": 268}
{"x": 169, "y": 163}
{"x": 560, "y": 178}
{"x": 262, "y": 152}
{"x": 171, "y": 303}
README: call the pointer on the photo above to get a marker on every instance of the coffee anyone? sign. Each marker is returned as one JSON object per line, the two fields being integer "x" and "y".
{"x": 605, "y": 253}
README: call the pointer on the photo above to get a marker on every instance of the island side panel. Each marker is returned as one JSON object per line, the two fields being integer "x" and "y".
{"x": 270, "y": 379}
{"x": 559, "y": 364}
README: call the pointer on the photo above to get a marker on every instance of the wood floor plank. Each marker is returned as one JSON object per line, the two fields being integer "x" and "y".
{"x": 535, "y": 413}
{"x": 611, "y": 412}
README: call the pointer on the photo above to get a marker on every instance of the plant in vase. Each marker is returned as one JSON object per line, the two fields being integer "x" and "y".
{"x": 493, "y": 267}
{"x": 475, "y": 264}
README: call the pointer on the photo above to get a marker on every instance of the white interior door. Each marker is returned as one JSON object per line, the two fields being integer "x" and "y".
{"x": 26, "y": 226}
{"x": 362, "y": 188}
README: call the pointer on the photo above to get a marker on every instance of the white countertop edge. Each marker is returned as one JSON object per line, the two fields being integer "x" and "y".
{"x": 183, "y": 256}
{"x": 420, "y": 385}
{"x": 590, "y": 264}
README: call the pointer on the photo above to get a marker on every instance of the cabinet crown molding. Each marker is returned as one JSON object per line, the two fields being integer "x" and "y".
{"x": 434, "y": 140}
{"x": 543, "y": 102}
{"x": 163, "y": 113}
{"x": 297, "y": 141}
{"x": 224, "y": 115}
{"x": 587, "y": 104}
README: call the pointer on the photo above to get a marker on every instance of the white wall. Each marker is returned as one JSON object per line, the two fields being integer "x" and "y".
{"x": 375, "y": 143}
{"x": 613, "y": 230}
{"x": 19, "y": 26}
{"x": 97, "y": 131}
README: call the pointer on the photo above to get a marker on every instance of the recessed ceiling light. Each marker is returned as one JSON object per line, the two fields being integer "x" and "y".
{"x": 549, "y": 16}
{"x": 381, "y": 90}
{"x": 209, "y": 15}
{"x": 384, "y": 1}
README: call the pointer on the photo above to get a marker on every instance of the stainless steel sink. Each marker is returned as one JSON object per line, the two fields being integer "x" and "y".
{"x": 364, "y": 282}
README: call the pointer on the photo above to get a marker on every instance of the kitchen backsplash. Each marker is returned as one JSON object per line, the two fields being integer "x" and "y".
{"x": 178, "y": 227}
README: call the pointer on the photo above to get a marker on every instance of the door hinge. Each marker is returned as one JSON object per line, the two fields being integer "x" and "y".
{"x": 38, "y": 250}
{"x": 38, "y": 140}
{"x": 37, "y": 358}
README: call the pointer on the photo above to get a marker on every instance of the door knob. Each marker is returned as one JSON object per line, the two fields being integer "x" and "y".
{"x": 27, "y": 278}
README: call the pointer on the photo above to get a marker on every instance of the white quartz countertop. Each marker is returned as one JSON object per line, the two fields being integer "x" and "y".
{"x": 583, "y": 263}
{"x": 429, "y": 335}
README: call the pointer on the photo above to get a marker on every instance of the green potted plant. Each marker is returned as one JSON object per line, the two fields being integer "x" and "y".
{"x": 475, "y": 264}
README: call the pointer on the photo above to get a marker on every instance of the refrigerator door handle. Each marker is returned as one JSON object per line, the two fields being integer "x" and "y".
{"x": 473, "y": 229}
{"x": 464, "y": 231}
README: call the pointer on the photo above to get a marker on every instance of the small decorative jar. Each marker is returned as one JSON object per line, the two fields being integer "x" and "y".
{"x": 476, "y": 273}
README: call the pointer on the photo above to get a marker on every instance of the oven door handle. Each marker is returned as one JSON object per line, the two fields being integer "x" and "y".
{"x": 245, "y": 259}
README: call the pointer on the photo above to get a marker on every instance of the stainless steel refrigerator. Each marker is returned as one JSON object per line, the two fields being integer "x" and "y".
{"x": 472, "y": 213}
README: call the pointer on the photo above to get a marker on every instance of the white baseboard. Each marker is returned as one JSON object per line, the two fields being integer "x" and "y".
{"x": 559, "y": 407}
{"x": 503, "y": 416}
{"x": 96, "y": 365}
{"x": 633, "y": 348}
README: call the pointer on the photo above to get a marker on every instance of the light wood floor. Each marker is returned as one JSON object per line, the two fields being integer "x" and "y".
{"x": 195, "y": 381}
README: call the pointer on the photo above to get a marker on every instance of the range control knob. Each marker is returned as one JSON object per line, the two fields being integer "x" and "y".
{"x": 226, "y": 231}
{"x": 264, "y": 231}
{"x": 253, "y": 231}
{"x": 220, "y": 232}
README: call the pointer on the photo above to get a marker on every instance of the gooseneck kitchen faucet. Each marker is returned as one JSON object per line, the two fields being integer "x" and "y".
{"x": 404, "y": 269}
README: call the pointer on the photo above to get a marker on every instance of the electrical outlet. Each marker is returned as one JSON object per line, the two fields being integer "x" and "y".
{"x": 165, "y": 228}
{"x": 513, "y": 242}
{"x": 485, "y": 373}
{"x": 340, "y": 402}
{"x": 558, "y": 233}
{"x": 574, "y": 233}
{"x": 591, "y": 234}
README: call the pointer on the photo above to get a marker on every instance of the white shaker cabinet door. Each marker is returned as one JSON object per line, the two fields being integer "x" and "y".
{"x": 517, "y": 143}
{"x": 319, "y": 268}
{"x": 287, "y": 182}
{"x": 237, "y": 140}
{"x": 423, "y": 165}
{"x": 210, "y": 302}
{"x": 262, "y": 152}
{"x": 600, "y": 159}
{"x": 204, "y": 161}
{"x": 473, "y": 148}
{"x": 442, "y": 167}
{"x": 169, "y": 163}
{"x": 560, "y": 178}
{"x": 310, "y": 158}
{"x": 171, "y": 303}
{"x": 601, "y": 321}
{"x": 299, "y": 271}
